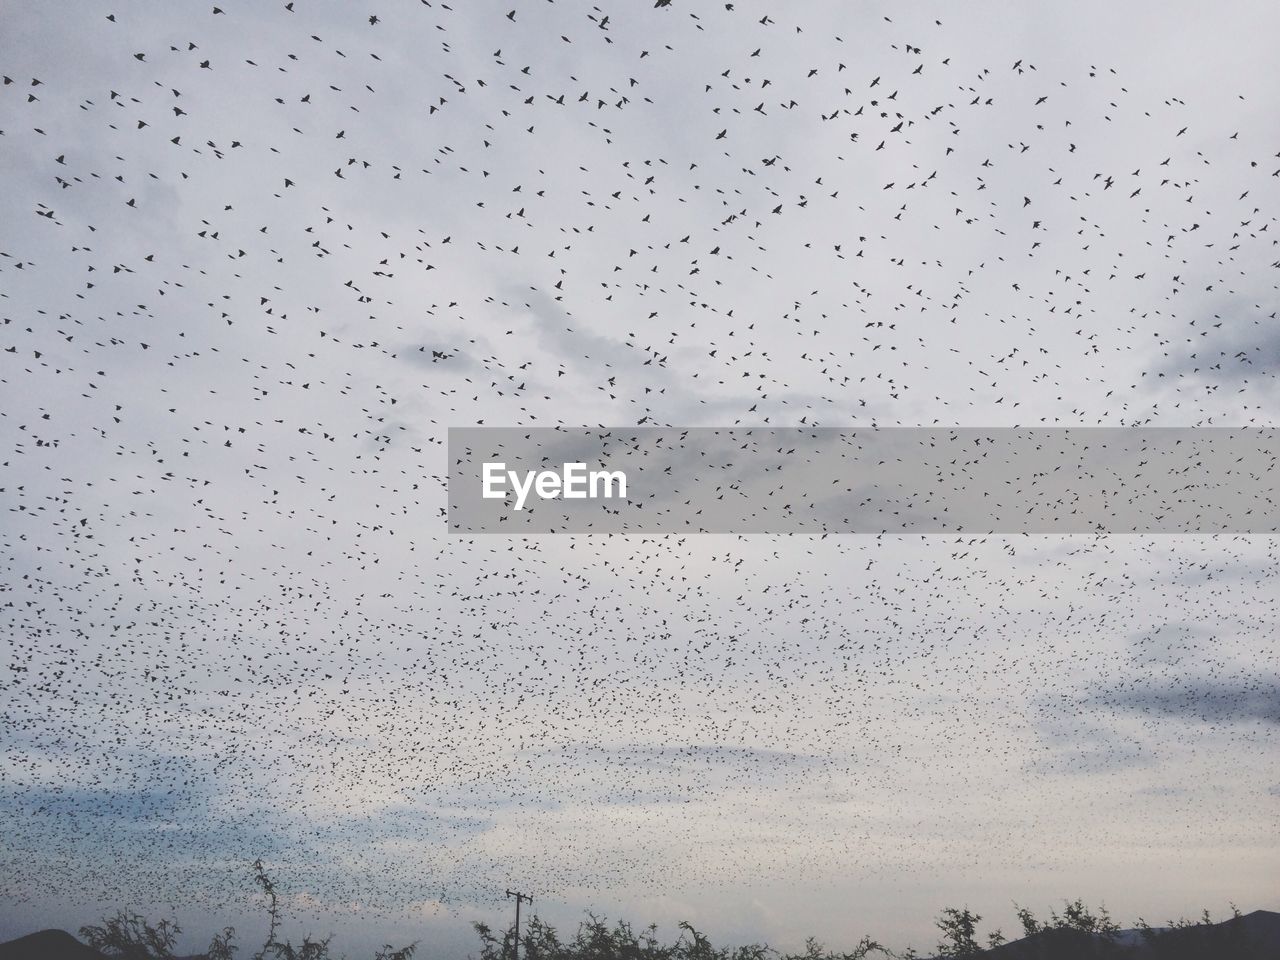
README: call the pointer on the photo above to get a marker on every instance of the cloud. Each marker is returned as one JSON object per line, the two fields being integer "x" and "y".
{"x": 1199, "y": 700}
{"x": 1070, "y": 745}
{"x": 128, "y": 806}
{"x": 1168, "y": 643}
{"x": 1232, "y": 342}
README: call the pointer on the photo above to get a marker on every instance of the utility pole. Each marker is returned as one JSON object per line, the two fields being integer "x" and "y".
{"x": 527, "y": 899}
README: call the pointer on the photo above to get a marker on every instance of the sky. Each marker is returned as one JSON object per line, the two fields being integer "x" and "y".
{"x": 257, "y": 258}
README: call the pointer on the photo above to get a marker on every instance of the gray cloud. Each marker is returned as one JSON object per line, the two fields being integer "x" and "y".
{"x": 1198, "y": 699}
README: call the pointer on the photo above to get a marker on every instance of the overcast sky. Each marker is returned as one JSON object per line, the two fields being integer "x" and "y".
{"x": 254, "y": 262}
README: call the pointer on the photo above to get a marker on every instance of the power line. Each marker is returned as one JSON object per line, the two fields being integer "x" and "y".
{"x": 527, "y": 899}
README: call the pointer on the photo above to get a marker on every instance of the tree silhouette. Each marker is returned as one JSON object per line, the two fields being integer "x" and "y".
{"x": 1078, "y": 932}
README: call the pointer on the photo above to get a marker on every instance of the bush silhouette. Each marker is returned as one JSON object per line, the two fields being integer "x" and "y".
{"x": 128, "y": 936}
{"x": 1078, "y": 932}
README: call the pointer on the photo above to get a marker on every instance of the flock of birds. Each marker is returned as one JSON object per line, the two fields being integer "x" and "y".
{"x": 256, "y": 258}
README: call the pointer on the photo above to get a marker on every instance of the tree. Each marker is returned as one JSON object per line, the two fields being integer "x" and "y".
{"x": 959, "y": 933}
{"x": 128, "y": 936}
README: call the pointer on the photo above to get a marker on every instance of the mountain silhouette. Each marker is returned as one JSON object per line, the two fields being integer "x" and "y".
{"x": 1251, "y": 936}
{"x": 48, "y": 945}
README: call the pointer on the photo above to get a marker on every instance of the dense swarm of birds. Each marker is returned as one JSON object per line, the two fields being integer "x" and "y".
{"x": 256, "y": 258}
